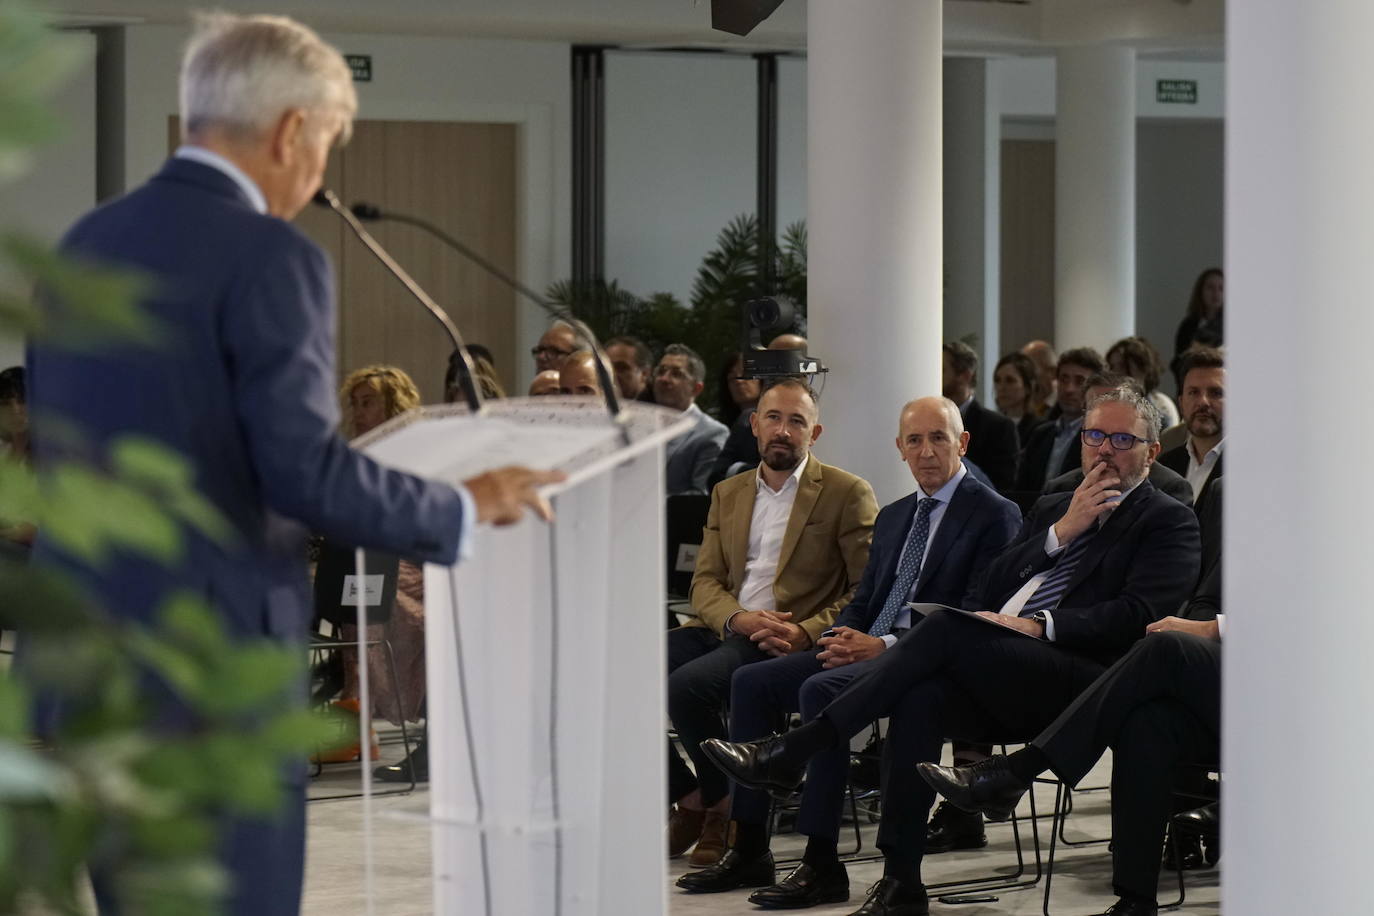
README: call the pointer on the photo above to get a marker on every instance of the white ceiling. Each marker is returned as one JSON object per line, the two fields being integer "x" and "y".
{"x": 971, "y": 26}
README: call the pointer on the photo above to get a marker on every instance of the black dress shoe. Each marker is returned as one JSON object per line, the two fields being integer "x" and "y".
{"x": 890, "y": 897}
{"x": 806, "y": 886}
{"x": 757, "y": 764}
{"x": 731, "y": 872}
{"x": 987, "y": 787}
{"x": 1132, "y": 907}
{"x": 950, "y": 829}
{"x": 1188, "y": 847}
{"x": 1204, "y": 821}
{"x": 417, "y": 764}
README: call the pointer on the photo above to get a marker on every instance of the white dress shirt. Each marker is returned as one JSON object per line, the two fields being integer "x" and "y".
{"x": 767, "y": 527}
{"x": 942, "y": 497}
{"x": 1199, "y": 471}
{"x": 1052, "y": 548}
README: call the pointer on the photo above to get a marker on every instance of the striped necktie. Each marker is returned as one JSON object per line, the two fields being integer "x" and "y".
{"x": 1051, "y": 590}
{"x": 907, "y": 570}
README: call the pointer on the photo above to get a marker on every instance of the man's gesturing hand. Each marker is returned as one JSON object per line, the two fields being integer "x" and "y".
{"x": 846, "y": 646}
{"x": 775, "y": 634}
{"x": 503, "y": 495}
{"x": 1094, "y": 497}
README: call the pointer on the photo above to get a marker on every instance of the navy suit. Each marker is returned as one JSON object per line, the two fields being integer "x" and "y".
{"x": 950, "y": 676}
{"x": 976, "y": 525}
{"x": 243, "y": 388}
{"x": 993, "y": 444}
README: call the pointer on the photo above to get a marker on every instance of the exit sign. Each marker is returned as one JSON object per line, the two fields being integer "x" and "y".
{"x": 361, "y": 65}
{"x": 1176, "y": 92}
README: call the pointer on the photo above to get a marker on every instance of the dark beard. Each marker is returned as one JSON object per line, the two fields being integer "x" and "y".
{"x": 782, "y": 461}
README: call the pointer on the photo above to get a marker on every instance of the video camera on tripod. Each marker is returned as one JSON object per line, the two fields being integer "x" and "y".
{"x": 770, "y": 316}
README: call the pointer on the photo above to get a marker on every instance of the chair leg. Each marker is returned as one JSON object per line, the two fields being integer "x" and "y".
{"x": 396, "y": 684}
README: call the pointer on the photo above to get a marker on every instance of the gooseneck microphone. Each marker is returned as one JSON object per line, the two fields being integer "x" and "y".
{"x": 602, "y": 364}
{"x": 466, "y": 371}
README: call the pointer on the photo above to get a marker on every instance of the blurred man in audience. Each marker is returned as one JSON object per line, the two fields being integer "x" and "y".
{"x": 930, "y": 546}
{"x": 783, "y": 550}
{"x": 1085, "y": 576}
{"x": 1158, "y": 707}
{"x": 577, "y": 375}
{"x": 993, "y": 443}
{"x": 1053, "y": 450}
{"x": 632, "y": 363}
{"x": 1047, "y": 367}
{"x": 678, "y": 380}
{"x": 545, "y": 382}
{"x": 788, "y": 342}
{"x": 1203, "y": 405}
{"x": 558, "y": 342}
{"x": 1164, "y": 479}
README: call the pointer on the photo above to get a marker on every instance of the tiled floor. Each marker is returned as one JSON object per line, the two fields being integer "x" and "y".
{"x": 1081, "y": 882}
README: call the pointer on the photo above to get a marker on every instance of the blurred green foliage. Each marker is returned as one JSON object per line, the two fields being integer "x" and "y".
{"x": 709, "y": 322}
{"x": 111, "y": 784}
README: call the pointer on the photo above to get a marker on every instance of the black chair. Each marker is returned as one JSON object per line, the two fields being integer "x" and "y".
{"x": 686, "y": 518}
{"x": 335, "y": 593}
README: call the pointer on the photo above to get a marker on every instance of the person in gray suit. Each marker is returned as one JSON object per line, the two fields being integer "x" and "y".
{"x": 678, "y": 380}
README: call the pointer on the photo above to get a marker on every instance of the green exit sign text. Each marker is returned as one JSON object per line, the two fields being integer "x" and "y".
{"x": 1176, "y": 92}
{"x": 361, "y": 65}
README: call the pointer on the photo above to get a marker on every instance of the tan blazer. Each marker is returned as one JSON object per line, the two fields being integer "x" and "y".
{"x": 824, "y": 548}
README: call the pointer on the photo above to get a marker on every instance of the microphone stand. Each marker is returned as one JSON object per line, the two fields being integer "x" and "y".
{"x": 600, "y": 361}
{"x": 466, "y": 370}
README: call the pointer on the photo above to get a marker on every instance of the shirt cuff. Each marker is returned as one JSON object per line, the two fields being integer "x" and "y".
{"x": 1221, "y": 625}
{"x": 889, "y": 640}
{"x": 1049, "y": 626}
{"x": 1052, "y": 545}
{"x": 728, "y": 628}
{"x": 465, "y": 535}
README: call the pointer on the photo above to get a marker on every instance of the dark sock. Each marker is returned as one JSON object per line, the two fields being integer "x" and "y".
{"x": 909, "y": 873}
{"x": 1028, "y": 763}
{"x": 822, "y": 853}
{"x": 806, "y": 741}
{"x": 751, "y": 840}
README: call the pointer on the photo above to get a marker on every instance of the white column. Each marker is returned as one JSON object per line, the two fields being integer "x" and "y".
{"x": 1298, "y": 748}
{"x": 874, "y": 215}
{"x": 972, "y": 211}
{"x": 1094, "y": 233}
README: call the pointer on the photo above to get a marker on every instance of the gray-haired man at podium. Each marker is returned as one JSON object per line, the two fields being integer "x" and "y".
{"x": 244, "y": 390}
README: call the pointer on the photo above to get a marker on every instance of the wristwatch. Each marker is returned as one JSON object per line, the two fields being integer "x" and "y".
{"x": 1040, "y": 618}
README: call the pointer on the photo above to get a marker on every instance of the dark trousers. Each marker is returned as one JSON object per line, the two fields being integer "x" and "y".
{"x": 699, "y": 669}
{"x": 264, "y": 859}
{"x": 1157, "y": 707}
{"x": 761, "y": 696}
{"x": 951, "y": 676}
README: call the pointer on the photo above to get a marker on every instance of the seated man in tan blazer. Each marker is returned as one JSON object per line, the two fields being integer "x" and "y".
{"x": 783, "y": 550}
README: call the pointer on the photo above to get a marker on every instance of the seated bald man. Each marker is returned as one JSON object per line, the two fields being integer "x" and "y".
{"x": 929, "y": 546}
{"x": 577, "y": 375}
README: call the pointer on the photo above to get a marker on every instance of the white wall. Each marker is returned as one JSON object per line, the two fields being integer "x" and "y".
{"x": 414, "y": 78}
{"x": 60, "y": 184}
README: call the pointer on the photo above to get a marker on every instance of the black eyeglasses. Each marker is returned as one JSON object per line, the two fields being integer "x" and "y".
{"x": 1093, "y": 438}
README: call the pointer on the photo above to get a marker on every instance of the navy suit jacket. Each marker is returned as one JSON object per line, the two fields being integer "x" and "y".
{"x": 993, "y": 444}
{"x": 244, "y": 388}
{"x": 1139, "y": 568}
{"x": 977, "y": 525}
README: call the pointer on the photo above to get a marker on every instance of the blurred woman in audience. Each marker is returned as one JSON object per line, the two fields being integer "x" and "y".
{"x": 1203, "y": 324}
{"x": 16, "y": 536}
{"x": 1016, "y": 385}
{"x": 1137, "y": 357}
{"x": 370, "y": 397}
{"x": 736, "y": 395}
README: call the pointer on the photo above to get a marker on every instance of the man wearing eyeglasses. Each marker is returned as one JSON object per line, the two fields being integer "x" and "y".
{"x": 1087, "y": 573}
{"x": 557, "y": 344}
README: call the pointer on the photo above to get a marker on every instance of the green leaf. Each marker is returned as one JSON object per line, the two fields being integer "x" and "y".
{"x": 26, "y": 776}
{"x": 14, "y": 709}
{"x": 91, "y": 515}
{"x": 169, "y": 478}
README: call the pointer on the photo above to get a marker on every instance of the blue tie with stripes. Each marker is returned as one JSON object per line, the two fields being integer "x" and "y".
{"x": 1056, "y": 583}
{"x": 907, "y": 570}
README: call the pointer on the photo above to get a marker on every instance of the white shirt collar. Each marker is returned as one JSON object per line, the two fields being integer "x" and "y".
{"x": 946, "y": 492}
{"x": 1215, "y": 450}
{"x": 792, "y": 479}
{"x": 219, "y": 163}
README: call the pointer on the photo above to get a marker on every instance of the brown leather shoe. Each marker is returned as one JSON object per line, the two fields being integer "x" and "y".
{"x": 684, "y": 826}
{"x": 711, "y": 846}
